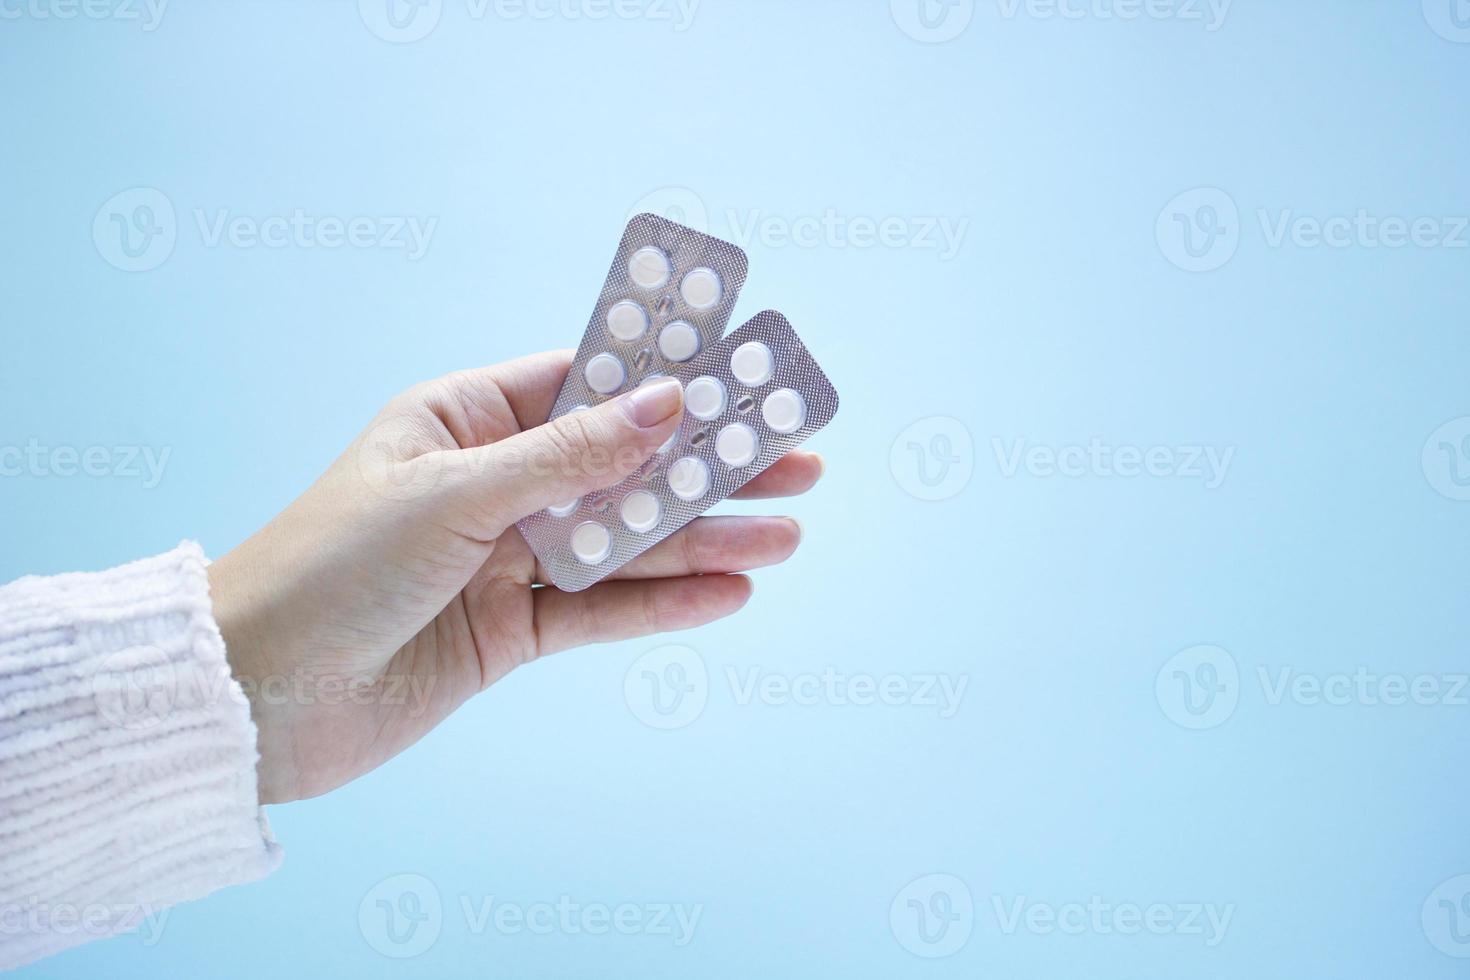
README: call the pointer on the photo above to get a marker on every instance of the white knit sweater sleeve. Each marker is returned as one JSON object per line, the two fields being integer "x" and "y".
{"x": 127, "y": 755}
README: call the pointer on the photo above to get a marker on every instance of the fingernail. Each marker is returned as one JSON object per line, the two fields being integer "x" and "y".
{"x": 652, "y": 403}
{"x": 821, "y": 465}
{"x": 800, "y": 529}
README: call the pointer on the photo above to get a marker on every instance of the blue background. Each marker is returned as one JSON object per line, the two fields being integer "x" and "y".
{"x": 1061, "y": 318}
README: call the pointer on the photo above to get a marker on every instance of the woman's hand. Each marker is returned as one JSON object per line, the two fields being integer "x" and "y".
{"x": 397, "y": 586}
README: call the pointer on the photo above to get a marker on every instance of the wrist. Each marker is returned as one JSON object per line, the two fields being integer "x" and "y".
{"x": 236, "y": 612}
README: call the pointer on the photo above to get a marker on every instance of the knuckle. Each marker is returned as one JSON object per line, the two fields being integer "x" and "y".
{"x": 692, "y": 549}
{"x": 654, "y": 615}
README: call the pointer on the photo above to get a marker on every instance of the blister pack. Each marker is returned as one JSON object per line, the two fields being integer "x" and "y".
{"x": 667, "y": 297}
{"x": 748, "y": 400}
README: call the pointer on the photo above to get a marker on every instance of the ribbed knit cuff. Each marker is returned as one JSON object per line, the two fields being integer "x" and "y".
{"x": 127, "y": 755}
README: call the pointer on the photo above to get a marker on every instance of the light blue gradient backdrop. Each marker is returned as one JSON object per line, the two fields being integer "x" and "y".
{"x": 1060, "y": 319}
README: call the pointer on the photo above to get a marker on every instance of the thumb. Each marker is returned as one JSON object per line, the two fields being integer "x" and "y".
{"x": 566, "y": 458}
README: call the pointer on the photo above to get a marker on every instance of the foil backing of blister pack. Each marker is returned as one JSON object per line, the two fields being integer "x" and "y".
{"x": 686, "y": 250}
{"x": 793, "y": 368}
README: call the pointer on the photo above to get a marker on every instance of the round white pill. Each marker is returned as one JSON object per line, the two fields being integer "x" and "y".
{"x": 705, "y": 398}
{"x": 752, "y": 364}
{"x": 640, "y": 511}
{"x": 784, "y": 410}
{"x": 678, "y": 341}
{"x": 649, "y": 267}
{"x": 626, "y": 320}
{"x": 562, "y": 510}
{"x": 591, "y": 542}
{"x": 689, "y": 478}
{"x": 736, "y": 444}
{"x": 701, "y": 288}
{"x": 605, "y": 374}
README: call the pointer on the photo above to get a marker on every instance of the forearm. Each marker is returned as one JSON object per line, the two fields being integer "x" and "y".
{"x": 127, "y": 754}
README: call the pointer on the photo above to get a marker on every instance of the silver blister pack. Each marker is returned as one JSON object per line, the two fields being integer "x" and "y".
{"x": 667, "y": 297}
{"x": 749, "y": 399}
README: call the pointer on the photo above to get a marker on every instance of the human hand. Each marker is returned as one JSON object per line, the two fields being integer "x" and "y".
{"x": 397, "y": 586}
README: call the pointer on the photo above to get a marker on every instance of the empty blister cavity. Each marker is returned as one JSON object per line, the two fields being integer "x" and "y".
{"x": 605, "y": 374}
{"x": 736, "y": 445}
{"x": 649, "y": 267}
{"x": 784, "y": 410}
{"x": 752, "y": 364}
{"x": 626, "y": 320}
{"x": 591, "y": 542}
{"x": 701, "y": 288}
{"x": 641, "y": 511}
{"x": 689, "y": 478}
{"x": 562, "y": 510}
{"x": 704, "y": 398}
{"x": 678, "y": 341}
